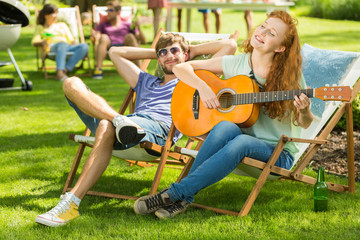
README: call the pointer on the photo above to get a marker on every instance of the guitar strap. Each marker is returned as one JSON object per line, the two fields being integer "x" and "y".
{"x": 252, "y": 75}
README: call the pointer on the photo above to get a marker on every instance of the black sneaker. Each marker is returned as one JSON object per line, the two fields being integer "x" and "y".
{"x": 127, "y": 132}
{"x": 151, "y": 203}
{"x": 171, "y": 210}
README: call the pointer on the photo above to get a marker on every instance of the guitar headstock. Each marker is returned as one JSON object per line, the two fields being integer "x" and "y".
{"x": 327, "y": 93}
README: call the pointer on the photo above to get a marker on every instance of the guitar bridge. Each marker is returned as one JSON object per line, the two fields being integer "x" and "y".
{"x": 195, "y": 108}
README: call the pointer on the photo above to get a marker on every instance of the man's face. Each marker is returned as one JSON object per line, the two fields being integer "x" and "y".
{"x": 170, "y": 56}
{"x": 111, "y": 13}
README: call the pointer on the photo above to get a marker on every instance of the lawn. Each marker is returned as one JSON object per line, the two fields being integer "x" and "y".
{"x": 36, "y": 157}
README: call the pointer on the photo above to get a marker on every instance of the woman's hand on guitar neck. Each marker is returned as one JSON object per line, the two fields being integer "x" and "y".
{"x": 302, "y": 103}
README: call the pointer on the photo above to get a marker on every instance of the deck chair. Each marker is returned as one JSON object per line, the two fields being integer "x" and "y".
{"x": 71, "y": 16}
{"x": 320, "y": 67}
{"x": 145, "y": 153}
{"x": 99, "y": 14}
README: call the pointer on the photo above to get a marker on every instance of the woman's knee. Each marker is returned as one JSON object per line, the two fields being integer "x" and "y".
{"x": 62, "y": 47}
{"x": 226, "y": 128}
{"x": 84, "y": 47}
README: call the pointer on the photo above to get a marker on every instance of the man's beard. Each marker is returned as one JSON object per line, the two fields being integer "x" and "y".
{"x": 166, "y": 70}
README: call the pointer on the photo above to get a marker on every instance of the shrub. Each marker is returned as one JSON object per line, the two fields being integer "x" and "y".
{"x": 356, "y": 116}
{"x": 334, "y": 9}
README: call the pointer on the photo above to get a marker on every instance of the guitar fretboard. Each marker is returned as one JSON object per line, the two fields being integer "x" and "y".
{"x": 261, "y": 97}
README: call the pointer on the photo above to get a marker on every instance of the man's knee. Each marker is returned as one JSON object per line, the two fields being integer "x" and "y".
{"x": 72, "y": 84}
{"x": 104, "y": 39}
{"x": 105, "y": 130}
{"x": 130, "y": 40}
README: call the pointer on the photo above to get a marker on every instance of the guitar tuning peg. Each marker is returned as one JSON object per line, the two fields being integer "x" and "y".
{"x": 327, "y": 85}
{"x": 334, "y": 85}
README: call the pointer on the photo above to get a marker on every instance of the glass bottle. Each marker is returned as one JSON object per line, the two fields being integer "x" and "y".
{"x": 320, "y": 192}
{"x": 134, "y": 20}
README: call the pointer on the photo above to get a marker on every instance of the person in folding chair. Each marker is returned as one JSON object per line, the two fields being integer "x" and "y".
{"x": 150, "y": 122}
{"x": 57, "y": 37}
{"x": 272, "y": 58}
{"x": 114, "y": 32}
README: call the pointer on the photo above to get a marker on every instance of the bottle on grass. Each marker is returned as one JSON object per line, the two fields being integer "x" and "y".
{"x": 320, "y": 192}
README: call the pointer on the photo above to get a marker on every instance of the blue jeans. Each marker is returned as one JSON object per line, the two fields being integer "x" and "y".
{"x": 156, "y": 132}
{"x": 220, "y": 154}
{"x": 79, "y": 50}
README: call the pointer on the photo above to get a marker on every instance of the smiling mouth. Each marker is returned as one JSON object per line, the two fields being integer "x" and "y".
{"x": 258, "y": 39}
{"x": 171, "y": 62}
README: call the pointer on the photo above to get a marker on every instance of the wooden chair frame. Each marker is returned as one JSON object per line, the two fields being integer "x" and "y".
{"x": 296, "y": 173}
{"x": 166, "y": 152}
{"x": 42, "y": 56}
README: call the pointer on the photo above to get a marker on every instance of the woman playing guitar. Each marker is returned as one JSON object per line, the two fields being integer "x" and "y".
{"x": 272, "y": 58}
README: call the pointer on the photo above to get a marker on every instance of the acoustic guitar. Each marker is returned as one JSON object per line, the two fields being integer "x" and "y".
{"x": 239, "y": 99}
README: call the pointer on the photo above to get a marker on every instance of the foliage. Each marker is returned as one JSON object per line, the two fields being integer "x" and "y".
{"x": 333, "y": 9}
{"x": 36, "y": 157}
{"x": 356, "y": 116}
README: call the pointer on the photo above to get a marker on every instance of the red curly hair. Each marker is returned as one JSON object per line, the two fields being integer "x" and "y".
{"x": 285, "y": 71}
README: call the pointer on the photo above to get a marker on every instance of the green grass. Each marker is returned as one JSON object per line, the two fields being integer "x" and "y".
{"x": 36, "y": 158}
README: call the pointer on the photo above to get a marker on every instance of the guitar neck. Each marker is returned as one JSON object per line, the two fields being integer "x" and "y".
{"x": 262, "y": 97}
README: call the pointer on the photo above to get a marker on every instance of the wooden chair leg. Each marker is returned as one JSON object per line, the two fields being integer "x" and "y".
{"x": 76, "y": 162}
{"x": 45, "y": 69}
{"x": 163, "y": 158}
{"x": 262, "y": 179}
{"x": 350, "y": 147}
{"x": 189, "y": 164}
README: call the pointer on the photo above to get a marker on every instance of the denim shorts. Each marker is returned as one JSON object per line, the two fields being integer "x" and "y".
{"x": 208, "y": 10}
{"x": 156, "y": 131}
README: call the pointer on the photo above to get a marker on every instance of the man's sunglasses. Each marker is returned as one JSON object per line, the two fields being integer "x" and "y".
{"x": 110, "y": 10}
{"x": 164, "y": 51}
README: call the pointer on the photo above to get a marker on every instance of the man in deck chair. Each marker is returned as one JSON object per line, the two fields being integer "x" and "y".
{"x": 150, "y": 122}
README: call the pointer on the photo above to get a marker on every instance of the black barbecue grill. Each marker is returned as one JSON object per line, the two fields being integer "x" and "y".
{"x": 15, "y": 15}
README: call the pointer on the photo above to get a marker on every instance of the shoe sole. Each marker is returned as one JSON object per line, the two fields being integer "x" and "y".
{"x": 136, "y": 210}
{"x": 162, "y": 216}
{"x": 142, "y": 213}
{"x": 48, "y": 223}
{"x": 129, "y": 135}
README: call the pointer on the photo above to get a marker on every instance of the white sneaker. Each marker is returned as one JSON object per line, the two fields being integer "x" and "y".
{"x": 127, "y": 132}
{"x": 65, "y": 211}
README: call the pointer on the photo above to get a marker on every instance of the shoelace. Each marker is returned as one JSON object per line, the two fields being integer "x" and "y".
{"x": 61, "y": 207}
{"x": 123, "y": 119}
{"x": 118, "y": 120}
{"x": 154, "y": 202}
{"x": 175, "y": 207}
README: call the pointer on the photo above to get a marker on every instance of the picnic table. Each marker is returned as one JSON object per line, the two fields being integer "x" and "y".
{"x": 256, "y": 5}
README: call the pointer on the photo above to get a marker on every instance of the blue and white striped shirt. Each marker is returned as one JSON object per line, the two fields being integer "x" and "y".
{"x": 155, "y": 100}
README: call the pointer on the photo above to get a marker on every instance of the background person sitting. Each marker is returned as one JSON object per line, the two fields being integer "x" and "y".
{"x": 56, "y": 37}
{"x": 114, "y": 32}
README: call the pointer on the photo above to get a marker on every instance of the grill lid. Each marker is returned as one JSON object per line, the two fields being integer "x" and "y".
{"x": 14, "y": 12}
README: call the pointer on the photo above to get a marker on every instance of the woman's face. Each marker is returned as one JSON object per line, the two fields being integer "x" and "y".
{"x": 268, "y": 37}
{"x": 51, "y": 18}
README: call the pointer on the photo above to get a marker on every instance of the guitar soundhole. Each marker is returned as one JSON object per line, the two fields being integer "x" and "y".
{"x": 226, "y": 100}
